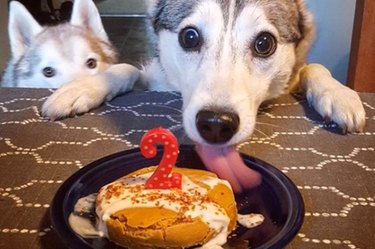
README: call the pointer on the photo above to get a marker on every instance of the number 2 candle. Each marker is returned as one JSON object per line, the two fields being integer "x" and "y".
{"x": 162, "y": 178}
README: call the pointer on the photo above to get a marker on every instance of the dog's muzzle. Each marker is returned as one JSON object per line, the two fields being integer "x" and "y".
{"x": 217, "y": 127}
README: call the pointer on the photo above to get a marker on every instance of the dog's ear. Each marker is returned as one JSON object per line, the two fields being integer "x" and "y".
{"x": 307, "y": 28}
{"x": 151, "y": 5}
{"x": 22, "y": 29}
{"x": 153, "y": 9}
{"x": 86, "y": 15}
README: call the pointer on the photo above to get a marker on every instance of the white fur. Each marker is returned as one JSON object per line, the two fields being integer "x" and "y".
{"x": 22, "y": 28}
{"x": 235, "y": 80}
{"x": 66, "y": 48}
{"x": 331, "y": 99}
{"x": 68, "y": 68}
{"x": 203, "y": 81}
{"x": 85, "y": 14}
{"x": 82, "y": 95}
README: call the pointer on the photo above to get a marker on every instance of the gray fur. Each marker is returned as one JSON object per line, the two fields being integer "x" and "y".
{"x": 169, "y": 14}
{"x": 293, "y": 21}
{"x": 284, "y": 14}
{"x": 224, "y": 81}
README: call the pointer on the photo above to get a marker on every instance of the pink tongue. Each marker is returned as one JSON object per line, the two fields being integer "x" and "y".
{"x": 227, "y": 163}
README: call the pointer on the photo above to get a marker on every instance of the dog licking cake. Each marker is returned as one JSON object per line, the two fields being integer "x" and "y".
{"x": 162, "y": 206}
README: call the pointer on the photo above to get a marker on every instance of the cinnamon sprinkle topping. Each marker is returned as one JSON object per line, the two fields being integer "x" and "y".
{"x": 139, "y": 194}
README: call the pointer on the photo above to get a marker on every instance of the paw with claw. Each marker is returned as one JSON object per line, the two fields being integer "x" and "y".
{"x": 332, "y": 100}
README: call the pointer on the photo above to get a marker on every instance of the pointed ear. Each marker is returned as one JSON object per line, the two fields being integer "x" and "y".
{"x": 307, "y": 29}
{"x": 22, "y": 29}
{"x": 86, "y": 15}
{"x": 151, "y": 6}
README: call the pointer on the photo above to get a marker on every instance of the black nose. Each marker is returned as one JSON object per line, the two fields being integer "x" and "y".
{"x": 217, "y": 127}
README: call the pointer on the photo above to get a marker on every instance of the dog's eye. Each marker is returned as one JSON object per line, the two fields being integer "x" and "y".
{"x": 49, "y": 72}
{"x": 190, "y": 39}
{"x": 265, "y": 45}
{"x": 91, "y": 63}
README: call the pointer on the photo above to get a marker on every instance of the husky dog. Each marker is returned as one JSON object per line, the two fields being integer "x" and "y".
{"x": 226, "y": 58}
{"x": 49, "y": 56}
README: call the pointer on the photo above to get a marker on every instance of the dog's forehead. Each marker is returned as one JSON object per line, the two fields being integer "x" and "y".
{"x": 71, "y": 40}
{"x": 283, "y": 14}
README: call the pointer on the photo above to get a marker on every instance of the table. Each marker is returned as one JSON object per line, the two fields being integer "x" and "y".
{"x": 335, "y": 173}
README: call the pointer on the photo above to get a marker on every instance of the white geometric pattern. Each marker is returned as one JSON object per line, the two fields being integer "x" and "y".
{"x": 334, "y": 173}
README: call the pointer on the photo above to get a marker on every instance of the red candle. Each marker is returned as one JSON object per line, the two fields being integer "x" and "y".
{"x": 162, "y": 177}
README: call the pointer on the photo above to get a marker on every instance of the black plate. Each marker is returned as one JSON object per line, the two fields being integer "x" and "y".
{"x": 277, "y": 198}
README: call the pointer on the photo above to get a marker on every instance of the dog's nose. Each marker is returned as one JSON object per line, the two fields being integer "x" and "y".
{"x": 217, "y": 127}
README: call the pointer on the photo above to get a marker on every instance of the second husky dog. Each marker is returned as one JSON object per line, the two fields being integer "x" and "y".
{"x": 49, "y": 56}
{"x": 226, "y": 58}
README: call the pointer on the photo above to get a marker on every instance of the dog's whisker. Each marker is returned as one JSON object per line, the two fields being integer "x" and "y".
{"x": 242, "y": 99}
{"x": 184, "y": 137}
{"x": 178, "y": 128}
{"x": 272, "y": 125}
{"x": 262, "y": 133}
{"x": 170, "y": 108}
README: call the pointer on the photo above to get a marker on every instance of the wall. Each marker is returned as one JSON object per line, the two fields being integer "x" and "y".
{"x": 121, "y": 7}
{"x": 334, "y": 19}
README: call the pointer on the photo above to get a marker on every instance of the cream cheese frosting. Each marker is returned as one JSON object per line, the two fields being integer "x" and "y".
{"x": 191, "y": 200}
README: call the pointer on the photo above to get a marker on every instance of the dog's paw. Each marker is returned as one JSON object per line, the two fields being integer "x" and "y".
{"x": 83, "y": 95}
{"x": 332, "y": 100}
{"x": 342, "y": 106}
{"x": 73, "y": 99}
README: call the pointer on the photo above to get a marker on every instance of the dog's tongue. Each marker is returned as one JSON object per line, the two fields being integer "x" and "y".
{"x": 227, "y": 163}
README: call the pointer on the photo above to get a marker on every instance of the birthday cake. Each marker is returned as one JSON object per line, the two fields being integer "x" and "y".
{"x": 202, "y": 212}
{"x": 162, "y": 206}
{"x": 165, "y": 206}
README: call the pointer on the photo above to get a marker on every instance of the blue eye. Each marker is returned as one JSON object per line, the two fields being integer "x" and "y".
{"x": 265, "y": 45}
{"x": 190, "y": 39}
{"x": 49, "y": 72}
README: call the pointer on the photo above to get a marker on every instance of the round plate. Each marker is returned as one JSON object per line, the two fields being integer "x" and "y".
{"x": 277, "y": 199}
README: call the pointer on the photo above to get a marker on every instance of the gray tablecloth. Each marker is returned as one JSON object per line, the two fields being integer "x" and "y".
{"x": 335, "y": 173}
